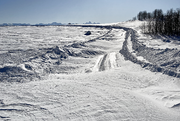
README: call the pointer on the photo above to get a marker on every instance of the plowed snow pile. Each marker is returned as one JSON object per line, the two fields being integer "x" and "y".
{"x": 58, "y": 73}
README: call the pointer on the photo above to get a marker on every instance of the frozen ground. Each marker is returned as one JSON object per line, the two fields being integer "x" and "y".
{"x": 58, "y": 73}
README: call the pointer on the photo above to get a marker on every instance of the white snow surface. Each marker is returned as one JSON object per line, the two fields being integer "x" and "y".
{"x": 131, "y": 50}
{"x": 103, "y": 87}
{"x": 151, "y": 40}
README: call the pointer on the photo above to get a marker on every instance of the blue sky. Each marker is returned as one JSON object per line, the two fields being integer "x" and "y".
{"x": 77, "y": 11}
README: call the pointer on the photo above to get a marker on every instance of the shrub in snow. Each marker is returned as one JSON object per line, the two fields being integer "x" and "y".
{"x": 88, "y": 33}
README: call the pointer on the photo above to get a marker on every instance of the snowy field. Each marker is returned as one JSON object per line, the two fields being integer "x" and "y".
{"x": 57, "y": 73}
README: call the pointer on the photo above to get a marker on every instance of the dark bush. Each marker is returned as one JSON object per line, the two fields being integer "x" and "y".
{"x": 88, "y": 33}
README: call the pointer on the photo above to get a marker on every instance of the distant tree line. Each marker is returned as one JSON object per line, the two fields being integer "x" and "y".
{"x": 159, "y": 23}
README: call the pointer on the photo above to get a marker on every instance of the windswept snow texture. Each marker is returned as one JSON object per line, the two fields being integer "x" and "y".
{"x": 57, "y": 73}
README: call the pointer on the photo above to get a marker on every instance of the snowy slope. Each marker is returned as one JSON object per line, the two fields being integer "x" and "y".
{"x": 66, "y": 75}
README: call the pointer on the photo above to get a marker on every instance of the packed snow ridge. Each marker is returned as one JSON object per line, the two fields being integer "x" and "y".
{"x": 112, "y": 73}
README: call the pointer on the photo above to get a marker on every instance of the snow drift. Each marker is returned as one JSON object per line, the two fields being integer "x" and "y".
{"x": 65, "y": 75}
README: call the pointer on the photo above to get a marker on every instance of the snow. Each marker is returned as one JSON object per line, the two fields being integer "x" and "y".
{"x": 131, "y": 50}
{"x": 92, "y": 80}
{"x": 105, "y": 62}
{"x": 96, "y": 66}
{"x": 151, "y": 41}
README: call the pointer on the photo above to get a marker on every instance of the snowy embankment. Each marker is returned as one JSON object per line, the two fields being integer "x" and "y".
{"x": 156, "y": 60}
{"x": 162, "y": 57}
{"x": 81, "y": 77}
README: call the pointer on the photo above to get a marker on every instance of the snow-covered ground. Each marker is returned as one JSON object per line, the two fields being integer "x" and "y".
{"x": 161, "y": 42}
{"x": 65, "y": 75}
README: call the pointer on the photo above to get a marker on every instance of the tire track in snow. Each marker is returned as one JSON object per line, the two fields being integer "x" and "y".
{"x": 106, "y": 62}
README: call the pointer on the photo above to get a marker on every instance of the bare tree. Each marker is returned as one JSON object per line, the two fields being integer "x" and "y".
{"x": 160, "y": 23}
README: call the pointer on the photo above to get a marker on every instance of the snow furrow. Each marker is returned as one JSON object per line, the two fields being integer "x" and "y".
{"x": 106, "y": 62}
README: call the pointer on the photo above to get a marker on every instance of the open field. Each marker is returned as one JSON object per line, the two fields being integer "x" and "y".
{"x": 114, "y": 74}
